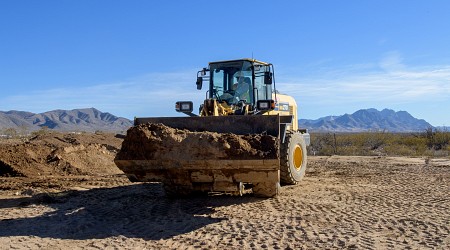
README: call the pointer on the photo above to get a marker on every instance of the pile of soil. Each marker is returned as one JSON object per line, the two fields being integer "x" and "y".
{"x": 156, "y": 141}
{"x": 59, "y": 154}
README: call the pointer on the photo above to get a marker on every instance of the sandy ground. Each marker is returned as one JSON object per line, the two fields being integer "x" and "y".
{"x": 343, "y": 202}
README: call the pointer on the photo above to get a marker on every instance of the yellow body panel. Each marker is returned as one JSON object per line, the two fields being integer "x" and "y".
{"x": 286, "y": 105}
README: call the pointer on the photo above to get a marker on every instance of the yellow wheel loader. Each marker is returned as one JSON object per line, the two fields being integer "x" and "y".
{"x": 245, "y": 137}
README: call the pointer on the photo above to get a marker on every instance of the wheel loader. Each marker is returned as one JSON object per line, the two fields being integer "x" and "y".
{"x": 241, "y": 103}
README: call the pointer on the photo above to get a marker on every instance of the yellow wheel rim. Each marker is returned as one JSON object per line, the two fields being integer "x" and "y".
{"x": 298, "y": 157}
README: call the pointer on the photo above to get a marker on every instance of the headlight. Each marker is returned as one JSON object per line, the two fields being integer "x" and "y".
{"x": 184, "y": 106}
{"x": 265, "y": 105}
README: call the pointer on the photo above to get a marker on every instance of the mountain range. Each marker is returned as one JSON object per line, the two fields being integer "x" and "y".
{"x": 367, "y": 120}
{"x": 89, "y": 119}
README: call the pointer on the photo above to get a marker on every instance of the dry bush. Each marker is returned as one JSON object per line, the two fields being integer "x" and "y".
{"x": 428, "y": 143}
{"x": 437, "y": 139}
{"x": 9, "y": 132}
{"x": 43, "y": 131}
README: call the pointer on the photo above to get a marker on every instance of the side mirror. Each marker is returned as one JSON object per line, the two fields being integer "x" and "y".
{"x": 199, "y": 82}
{"x": 268, "y": 78}
{"x": 202, "y": 74}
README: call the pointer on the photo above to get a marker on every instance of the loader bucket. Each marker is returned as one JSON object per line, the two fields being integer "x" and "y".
{"x": 217, "y": 153}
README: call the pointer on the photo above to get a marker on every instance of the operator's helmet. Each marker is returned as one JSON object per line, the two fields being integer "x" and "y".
{"x": 239, "y": 76}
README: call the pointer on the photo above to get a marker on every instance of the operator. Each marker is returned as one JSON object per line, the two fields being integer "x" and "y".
{"x": 239, "y": 91}
{"x": 242, "y": 89}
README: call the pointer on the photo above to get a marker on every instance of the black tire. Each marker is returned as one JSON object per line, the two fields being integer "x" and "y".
{"x": 293, "y": 159}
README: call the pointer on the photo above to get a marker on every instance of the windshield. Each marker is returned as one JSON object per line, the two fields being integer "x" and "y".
{"x": 232, "y": 82}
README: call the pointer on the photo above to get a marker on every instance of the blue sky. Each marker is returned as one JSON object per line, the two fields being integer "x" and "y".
{"x": 137, "y": 58}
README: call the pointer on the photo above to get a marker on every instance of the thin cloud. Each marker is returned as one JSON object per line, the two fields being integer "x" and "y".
{"x": 392, "y": 62}
{"x": 394, "y": 83}
{"x": 152, "y": 94}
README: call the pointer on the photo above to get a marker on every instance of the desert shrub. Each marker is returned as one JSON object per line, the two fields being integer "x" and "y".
{"x": 375, "y": 140}
{"x": 405, "y": 144}
{"x": 44, "y": 130}
{"x": 405, "y": 150}
{"x": 381, "y": 143}
{"x": 9, "y": 132}
{"x": 322, "y": 144}
{"x": 437, "y": 139}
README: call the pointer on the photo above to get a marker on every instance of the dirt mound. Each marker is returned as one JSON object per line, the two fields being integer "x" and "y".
{"x": 59, "y": 154}
{"x": 157, "y": 141}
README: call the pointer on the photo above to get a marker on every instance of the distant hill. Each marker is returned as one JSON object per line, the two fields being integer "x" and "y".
{"x": 367, "y": 120}
{"x": 89, "y": 119}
